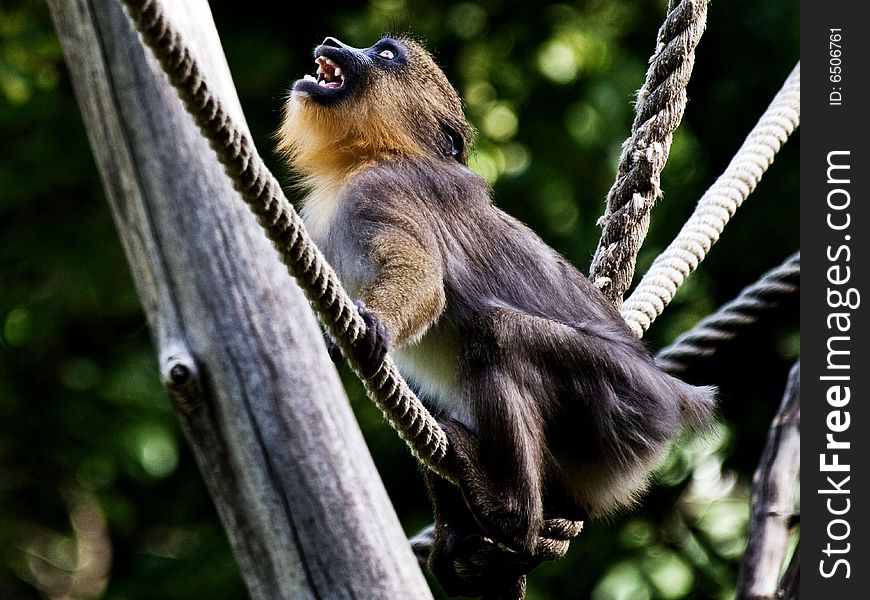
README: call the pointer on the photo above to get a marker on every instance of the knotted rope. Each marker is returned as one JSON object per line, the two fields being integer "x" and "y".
{"x": 264, "y": 196}
{"x": 715, "y": 208}
{"x": 731, "y": 318}
{"x": 659, "y": 110}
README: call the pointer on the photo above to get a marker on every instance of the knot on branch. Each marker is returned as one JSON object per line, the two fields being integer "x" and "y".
{"x": 181, "y": 377}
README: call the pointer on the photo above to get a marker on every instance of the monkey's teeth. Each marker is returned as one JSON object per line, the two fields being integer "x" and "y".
{"x": 329, "y": 74}
{"x": 310, "y": 78}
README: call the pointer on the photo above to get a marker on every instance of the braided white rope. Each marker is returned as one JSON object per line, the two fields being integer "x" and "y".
{"x": 715, "y": 208}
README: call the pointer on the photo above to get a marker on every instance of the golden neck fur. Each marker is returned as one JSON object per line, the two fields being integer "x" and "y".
{"x": 390, "y": 114}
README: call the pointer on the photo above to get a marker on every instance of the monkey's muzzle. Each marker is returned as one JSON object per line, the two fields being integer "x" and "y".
{"x": 337, "y": 64}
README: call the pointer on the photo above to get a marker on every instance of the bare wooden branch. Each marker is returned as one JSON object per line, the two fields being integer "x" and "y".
{"x": 774, "y": 490}
{"x": 790, "y": 586}
{"x": 240, "y": 352}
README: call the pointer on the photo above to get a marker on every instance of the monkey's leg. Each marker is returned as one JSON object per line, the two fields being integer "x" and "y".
{"x": 499, "y": 465}
{"x": 511, "y": 372}
{"x": 453, "y": 525}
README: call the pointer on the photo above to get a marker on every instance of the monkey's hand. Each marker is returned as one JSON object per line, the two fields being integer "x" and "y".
{"x": 370, "y": 349}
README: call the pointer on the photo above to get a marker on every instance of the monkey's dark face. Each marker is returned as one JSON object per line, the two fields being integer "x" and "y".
{"x": 342, "y": 69}
{"x": 363, "y": 104}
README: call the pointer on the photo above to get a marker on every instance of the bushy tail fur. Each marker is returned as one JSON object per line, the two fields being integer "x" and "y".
{"x": 697, "y": 406}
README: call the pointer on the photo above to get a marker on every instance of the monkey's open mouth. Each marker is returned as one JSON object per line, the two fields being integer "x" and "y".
{"x": 328, "y": 75}
{"x": 340, "y": 69}
{"x": 334, "y": 79}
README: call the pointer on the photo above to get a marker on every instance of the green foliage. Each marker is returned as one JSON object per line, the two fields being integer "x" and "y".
{"x": 99, "y": 494}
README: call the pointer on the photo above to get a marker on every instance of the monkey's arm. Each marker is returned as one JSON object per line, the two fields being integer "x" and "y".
{"x": 407, "y": 290}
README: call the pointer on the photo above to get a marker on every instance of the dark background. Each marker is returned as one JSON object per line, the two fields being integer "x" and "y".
{"x": 99, "y": 494}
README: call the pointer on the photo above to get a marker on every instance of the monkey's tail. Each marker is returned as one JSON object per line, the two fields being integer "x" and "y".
{"x": 697, "y": 406}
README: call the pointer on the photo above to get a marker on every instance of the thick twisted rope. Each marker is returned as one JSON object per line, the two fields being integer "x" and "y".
{"x": 702, "y": 340}
{"x": 715, "y": 208}
{"x": 659, "y": 110}
{"x": 264, "y": 196}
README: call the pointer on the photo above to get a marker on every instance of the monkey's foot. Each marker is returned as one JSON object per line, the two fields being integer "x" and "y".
{"x": 474, "y": 565}
{"x": 370, "y": 350}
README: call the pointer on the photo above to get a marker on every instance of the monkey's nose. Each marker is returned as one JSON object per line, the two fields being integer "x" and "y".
{"x": 331, "y": 41}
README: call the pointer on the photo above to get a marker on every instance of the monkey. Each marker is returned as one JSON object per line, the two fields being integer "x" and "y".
{"x": 551, "y": 405}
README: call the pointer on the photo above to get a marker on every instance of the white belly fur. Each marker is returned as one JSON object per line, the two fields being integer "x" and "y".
{"x": 432, "y": 363}
{"x": 319, "y": 207}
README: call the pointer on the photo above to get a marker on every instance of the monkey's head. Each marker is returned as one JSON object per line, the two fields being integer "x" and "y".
{"x": 365, "y": 104}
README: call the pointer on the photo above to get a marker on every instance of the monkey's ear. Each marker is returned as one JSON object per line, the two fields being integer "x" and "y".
{"x": 455, "y": 142}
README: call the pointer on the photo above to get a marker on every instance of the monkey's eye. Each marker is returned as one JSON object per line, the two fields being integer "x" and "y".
{"x": 388, "y": 54}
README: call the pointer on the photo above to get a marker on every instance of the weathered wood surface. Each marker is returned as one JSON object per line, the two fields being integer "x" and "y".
{"x": 774, "y": 495}
{"x": 240, "y": 352}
